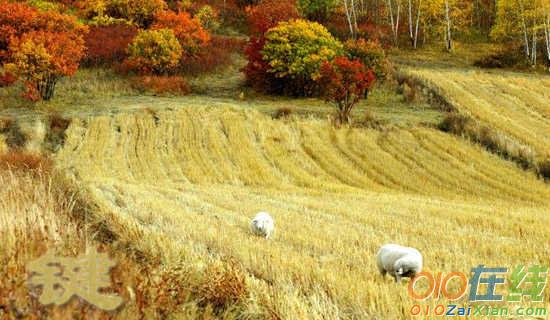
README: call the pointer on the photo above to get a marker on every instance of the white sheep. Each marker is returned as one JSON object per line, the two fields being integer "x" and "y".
{"x": 399, "y": 261}
{"x": 262, "y": 225}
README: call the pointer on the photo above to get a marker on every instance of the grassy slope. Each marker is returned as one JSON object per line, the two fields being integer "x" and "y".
{"x": 184, "y": 184}
{"x": 516, "y": 104}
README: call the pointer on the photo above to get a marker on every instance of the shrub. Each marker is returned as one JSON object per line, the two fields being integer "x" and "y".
{"x": 217, "y": 53}
{"x": 295, "y": 51}
{"x": 543, "y": 168}
{"x": 41, "y": 58}
{"x": 317, "y": 10}
{"x": 7, "y": 79}
{"x": 189, "y": 31}
{"x": 25, "y": 161}
{"x": 106, "y": 45}
{"x": 283, "y": 112}
{"x": 371, "y": 54}
{"x": 139, "y": 12}
{"x": 46, "y": 5}
{"x": 174, "y": 85}
{"x": 506, "y": 58}
{"x": 268, "y": 13}
{"x": 208, "y": 17}
{"x": 154, "y": 51}
{"x": 344, "y": 82}
{"x": 256, "y": 70}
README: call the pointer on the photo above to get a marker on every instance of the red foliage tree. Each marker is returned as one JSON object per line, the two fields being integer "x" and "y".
{"x": 106, "y": 45}
{"x": 269, "y": 13}
{"x": 261, "y": 18}
{"x": 189, "y": 31}
{"x": 344, "y": 82}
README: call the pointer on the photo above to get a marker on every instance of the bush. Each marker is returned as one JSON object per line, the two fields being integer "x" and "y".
{"x": 217, "y": 53}
{"x": 317, "y": 10}
{"x": 269, "y": 13}
{"x": 154, "y": 51}
{"x": 543, "y": 168}
{"x": 7, "y": 79}
{"x": 283, "y": 112}
{"x": 107, "y": 45}
{"x": 173, "y": 85}
{"x": 189, "y": 31}
{"x": 41, "y": 58}
{"x": 208, "y": 17}
{"x": 344, "y": 82}
{"x": 25, "y": 161}
{"x": 295, "y": 51}
{"x": 506, "y": 58}
{"x": 139, "y": 12}
{"x": 371, "y": 54}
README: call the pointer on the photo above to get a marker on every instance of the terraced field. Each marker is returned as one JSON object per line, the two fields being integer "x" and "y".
{"x": 183, "y": 185}
{"x": 517, "y": 105}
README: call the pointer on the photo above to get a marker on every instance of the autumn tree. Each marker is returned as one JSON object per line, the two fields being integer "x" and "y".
{"x": 344, "y": 83}
{"x": 296, "y": 49}
{"x": 525, "y": 20}
{"x": 189, "y": 31}
{"x": 39, "y": 47}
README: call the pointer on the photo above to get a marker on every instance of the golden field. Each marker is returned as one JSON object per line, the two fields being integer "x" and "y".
{"x": 511, "y": 103}
{"x": 182, "y": 186}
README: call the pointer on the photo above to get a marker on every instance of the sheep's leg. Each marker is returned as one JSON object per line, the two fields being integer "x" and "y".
{"x": 398, "y": 278}
{"x": 383, "y": 273}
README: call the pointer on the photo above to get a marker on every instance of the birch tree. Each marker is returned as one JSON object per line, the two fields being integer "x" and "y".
{"x": 394, "y": 12}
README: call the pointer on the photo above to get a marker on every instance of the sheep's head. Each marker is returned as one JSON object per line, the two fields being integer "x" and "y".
{"x": 405, "y": 268}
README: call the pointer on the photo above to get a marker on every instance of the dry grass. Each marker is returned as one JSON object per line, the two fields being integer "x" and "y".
{"x": 513, "y": 104}
{"x": 181, "y": 186}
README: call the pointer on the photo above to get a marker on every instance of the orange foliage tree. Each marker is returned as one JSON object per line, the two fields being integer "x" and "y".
{"x": 39, "y": 47}
{"x": 189, "y": 31}
{"x": 41, "y": 58}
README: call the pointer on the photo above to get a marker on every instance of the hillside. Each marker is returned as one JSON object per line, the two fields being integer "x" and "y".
{"x": 183, "y": 184}
{"x": 516, "y": 105}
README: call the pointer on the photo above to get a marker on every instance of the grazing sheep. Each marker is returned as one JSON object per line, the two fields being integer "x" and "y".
{"x": 263, "y": 225}
{"x": 399, "y": 261}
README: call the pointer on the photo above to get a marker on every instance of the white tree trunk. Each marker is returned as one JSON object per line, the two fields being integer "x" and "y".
{"x": 534, "y": 47}
{"x": 547, "y": 37}
{"x": 448, "y": 35}
{"x": 348, "y": 17}
{"x": 394, "y": 21}
{"x": 524, "y": 26}
{"x": 417, "y": 23}
{"x": 411, "y": 35}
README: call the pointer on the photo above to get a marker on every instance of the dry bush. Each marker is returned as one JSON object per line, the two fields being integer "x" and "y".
{"x": 216, "y": 54}
{"x": 223, "y": 285}
{"x": 543, "y": 168}
{"x": 283, "y": 112}
{"x": 25, "y": 161}
{"x": 174, "y": 85}
{"x": 5, "y": 124}
{"x": 494, "y": 141}
{"x": 409, "y": 93}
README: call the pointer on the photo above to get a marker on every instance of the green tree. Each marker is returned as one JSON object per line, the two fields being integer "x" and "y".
{"x": 317, "y": 10}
